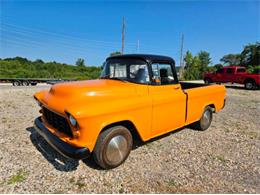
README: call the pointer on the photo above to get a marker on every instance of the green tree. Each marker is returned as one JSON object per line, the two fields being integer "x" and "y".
{"x": 21, "y": 67}
{"x": 80, "y": 62}
{"x": 205, "y": 60}
{"x": 39, "y": 61}
{"x": 231, "y": 59}
{"x": 218, "y": 66}
{"x": 251, "y": 55}
{"x": 192, "y": 66}
{"x": 116, "y": 53}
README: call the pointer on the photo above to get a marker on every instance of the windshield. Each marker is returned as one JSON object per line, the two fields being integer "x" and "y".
{"x": 131, "y": 70}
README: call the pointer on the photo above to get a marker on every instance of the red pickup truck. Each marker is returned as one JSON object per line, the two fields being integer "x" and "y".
{"x": 233, "y": 74}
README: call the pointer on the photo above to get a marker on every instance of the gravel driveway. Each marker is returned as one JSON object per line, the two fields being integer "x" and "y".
{"x": 223, "y": 159}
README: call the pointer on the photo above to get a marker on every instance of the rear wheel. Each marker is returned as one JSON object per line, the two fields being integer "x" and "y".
{"x": 113, "y": 147}
{"x": 205, "y": 120}
{"x": 25, "y": 83}
{"x": 207, "y": 80}
{"x": 16, "y": 83}
{"x": 250, "y": 84}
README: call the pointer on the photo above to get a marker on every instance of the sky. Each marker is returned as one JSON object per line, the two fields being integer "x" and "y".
{"x": 65, "y": 30}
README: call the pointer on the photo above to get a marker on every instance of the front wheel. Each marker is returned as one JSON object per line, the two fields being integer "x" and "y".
{"x": 113, "y": 147}
{"x": 205, "y": 120}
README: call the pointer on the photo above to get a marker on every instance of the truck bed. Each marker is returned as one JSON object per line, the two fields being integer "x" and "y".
{"x": 200, "y": 95}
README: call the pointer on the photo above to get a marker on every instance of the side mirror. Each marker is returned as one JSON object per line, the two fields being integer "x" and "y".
{"x": 156, "y": 81}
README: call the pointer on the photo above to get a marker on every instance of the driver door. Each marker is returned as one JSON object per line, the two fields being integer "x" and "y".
{"x": 168, "y": 100}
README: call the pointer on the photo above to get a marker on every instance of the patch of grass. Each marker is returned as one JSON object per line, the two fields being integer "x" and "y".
{"x": 171, "y": 183}
{"x": 251, "y": 134}
{"x": 58, "y": 192}
{"x": 80, "y": 184}
{"x": 20, "y": 176}
{"x": 226, "y": 130}
{"x": 222, "y": 159}
{"x": 72, "y": 180}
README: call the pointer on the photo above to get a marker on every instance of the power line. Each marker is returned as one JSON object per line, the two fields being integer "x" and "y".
{"x": 32, "y": 30}
{"x": 10, "y": 28}
{"x": 26, "y": 36}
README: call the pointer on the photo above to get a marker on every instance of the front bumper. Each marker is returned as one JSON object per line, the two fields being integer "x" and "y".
{"x": 62, "y": 147}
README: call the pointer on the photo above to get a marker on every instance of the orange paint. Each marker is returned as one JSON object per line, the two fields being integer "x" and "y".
{"x": 154, "y": 110}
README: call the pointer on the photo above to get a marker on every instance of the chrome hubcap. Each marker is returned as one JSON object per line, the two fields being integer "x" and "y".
{"x": 116, "y": 149}
{"x": 249, "y": 85}
{"x": 206, "y": 118}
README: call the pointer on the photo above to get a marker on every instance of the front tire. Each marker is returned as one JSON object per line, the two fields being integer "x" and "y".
{"x": 113, "y": 147}
{"x": 205, "y": 120}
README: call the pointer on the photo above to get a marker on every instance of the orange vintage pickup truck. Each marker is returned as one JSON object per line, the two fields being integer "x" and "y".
{"x": 136, "y": 96}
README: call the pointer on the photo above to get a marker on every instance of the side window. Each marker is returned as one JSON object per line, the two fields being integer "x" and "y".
{"x": 230, "y": 70}
{"x": 162, "y": 74}
{"x": 118, "y": 70}
{"x": 241, "y": 70}
{"x": 220, "y": 71}
{"x": 139, "y": 73}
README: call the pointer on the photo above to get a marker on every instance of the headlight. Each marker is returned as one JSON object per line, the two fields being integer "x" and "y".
{"x": 72, "y": 121}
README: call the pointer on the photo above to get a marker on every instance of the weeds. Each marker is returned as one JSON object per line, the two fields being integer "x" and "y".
{"x": 20, "y": 176}
{"x": 172, "y": 183}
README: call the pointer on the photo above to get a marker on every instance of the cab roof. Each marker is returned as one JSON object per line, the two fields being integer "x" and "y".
{"x": 146, "y": 57}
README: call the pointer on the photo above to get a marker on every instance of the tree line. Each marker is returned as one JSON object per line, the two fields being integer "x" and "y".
{"x": 19, "y": 67}
{"x": 196, "y": 65}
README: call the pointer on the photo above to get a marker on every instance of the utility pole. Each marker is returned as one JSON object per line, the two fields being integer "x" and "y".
{"x": 137, "y": 46}
{"x": 181, "y": 58}
{"x": 123, "y": 35}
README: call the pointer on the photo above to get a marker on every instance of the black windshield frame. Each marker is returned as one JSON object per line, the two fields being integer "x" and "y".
{"x": 105, "y": 74}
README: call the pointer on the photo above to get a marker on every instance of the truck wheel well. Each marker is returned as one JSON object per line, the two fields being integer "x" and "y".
{"x": 213, "y": 107}
{"x": 249, "y": 79}
{"x": 129, "y": 125}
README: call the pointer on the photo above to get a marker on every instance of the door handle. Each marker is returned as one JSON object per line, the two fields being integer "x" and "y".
{"x": 176, "y": 87}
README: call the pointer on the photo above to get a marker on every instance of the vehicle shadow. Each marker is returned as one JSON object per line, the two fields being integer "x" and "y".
{"x": 137, "y": 142}
{"x": 64, "y": 164}
{"x": 58, "y": 161}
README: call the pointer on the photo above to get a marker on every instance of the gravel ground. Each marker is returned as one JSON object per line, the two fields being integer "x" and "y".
{"x": 223, "y": 159}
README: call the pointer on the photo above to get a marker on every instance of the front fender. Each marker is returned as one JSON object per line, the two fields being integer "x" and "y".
{"x": 94, "y": 117}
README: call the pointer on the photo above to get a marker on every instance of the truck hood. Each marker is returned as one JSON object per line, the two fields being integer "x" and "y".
{"x": 62, "y": 96}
